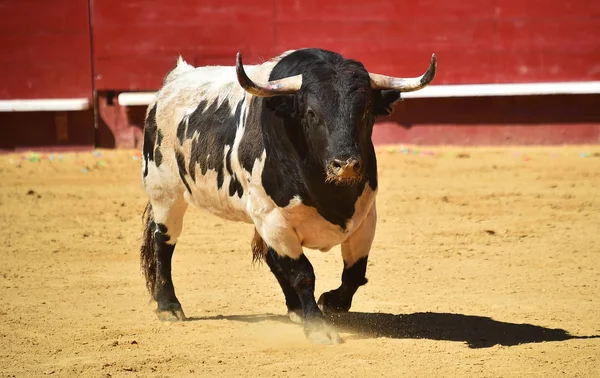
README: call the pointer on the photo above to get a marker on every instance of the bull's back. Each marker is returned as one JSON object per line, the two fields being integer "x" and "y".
{"x": 189, "y": 141}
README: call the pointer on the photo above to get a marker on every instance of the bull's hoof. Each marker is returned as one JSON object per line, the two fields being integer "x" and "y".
{"x": 171, "y": 312}
{"x": 318, "y": 332}
{"x": 331, "y": 303}
{"x": 297, "y": 316}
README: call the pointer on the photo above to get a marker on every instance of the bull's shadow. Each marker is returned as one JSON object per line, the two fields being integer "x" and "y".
{"x": 476, "y": 331}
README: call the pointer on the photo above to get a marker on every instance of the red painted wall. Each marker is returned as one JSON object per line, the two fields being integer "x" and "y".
{"x": 45, "y": 52}
{"x": 45, "y": 49}
{"x": 484, "y": 41}
{"x": 542, "y": 120}
{"x": 136, "y": 42}
{"x": 48, "y": 51}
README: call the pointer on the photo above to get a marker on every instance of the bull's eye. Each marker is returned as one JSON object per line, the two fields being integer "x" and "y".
{"x": 311, "y": 116}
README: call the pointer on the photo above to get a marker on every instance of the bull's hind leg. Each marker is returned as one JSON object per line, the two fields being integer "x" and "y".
{"x": 163, "y": 226}
{"x": 300, "y": 276}
{"x": 355, "y": 252}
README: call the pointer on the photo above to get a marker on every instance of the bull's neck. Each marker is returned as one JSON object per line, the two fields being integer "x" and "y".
{"x": 290, "y": 171}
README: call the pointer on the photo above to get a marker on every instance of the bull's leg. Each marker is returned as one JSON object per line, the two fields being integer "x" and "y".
{"x": 300, "y": 275}
{"x": 164, "y": 225}
{"x": 292, "y": 301}
{"x": 355, "y": 252}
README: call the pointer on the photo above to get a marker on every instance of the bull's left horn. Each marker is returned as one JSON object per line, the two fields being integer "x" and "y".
{"x": 405, "y": 84}
{"x": 288, "y": 85}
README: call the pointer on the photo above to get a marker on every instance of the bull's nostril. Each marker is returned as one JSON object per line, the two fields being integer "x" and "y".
{"x": 335, "y": 163}
{"x": 347, "y": 165}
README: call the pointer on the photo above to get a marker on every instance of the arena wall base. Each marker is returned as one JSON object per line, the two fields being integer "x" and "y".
{"x": 119, "y": 126}
{"x": 505, "y": 120}
{"x": 47, "y": 130}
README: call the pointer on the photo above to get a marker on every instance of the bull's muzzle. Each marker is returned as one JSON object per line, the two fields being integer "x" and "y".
{"x": 344, "y": 171}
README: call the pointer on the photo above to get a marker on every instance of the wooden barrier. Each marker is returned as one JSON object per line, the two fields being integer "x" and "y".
{"x": 55, "y": 60}
{"x": 45, "y": 74}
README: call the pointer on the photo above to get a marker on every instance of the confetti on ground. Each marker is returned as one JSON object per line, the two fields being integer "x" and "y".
{"x": 32, "y": 156}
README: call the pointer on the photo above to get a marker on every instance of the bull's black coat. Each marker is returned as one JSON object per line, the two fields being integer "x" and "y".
{"x": 293, "y": 131}
{"x": 149, "y": 138}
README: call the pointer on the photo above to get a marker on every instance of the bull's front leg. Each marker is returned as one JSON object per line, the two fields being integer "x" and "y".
{"x": 355, "y": 252}
{"x": 259, "y": 252}
{"x": 292, "y": 301}
{"x": 300, "y": 275}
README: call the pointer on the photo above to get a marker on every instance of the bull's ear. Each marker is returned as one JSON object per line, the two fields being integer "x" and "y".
{"x": 384, "y": 101}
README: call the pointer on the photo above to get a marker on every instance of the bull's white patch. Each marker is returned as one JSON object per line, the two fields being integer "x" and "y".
{"x": 243, "y": 176}
{"x": 314, "y": 232}
{"x": 207, "y": 195}
{"x": 163, "y": 187}
{"x": 358, "y": 244}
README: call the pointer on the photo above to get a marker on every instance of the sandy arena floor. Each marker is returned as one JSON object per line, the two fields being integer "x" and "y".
{"x": 486, "y": 263}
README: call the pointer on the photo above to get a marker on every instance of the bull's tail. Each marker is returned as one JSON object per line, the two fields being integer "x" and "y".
{"x": 147, "y": 254}
{"x": 259, "y": 248}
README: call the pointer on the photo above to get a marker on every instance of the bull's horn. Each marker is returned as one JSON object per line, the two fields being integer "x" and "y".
{"x": 288, "y": 85}
{"x": 405, "y": 84}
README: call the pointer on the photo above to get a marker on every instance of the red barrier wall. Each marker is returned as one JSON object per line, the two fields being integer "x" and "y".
{"x": 48, "y": 51}
{"x": 485, "y": 41}
{"x": 542, "y": 120}
{"x": 45, "y": 49}
{"x": 137, "y": 42}
{"x": 45, "y": 53}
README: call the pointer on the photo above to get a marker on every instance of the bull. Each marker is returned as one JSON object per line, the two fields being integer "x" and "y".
{"x": 285, "y": 146}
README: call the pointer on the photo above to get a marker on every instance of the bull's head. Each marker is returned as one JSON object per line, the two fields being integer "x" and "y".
{"x": 334, "y": 101}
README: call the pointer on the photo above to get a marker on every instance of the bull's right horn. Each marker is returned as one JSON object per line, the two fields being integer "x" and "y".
{"x": 288, "y": 85}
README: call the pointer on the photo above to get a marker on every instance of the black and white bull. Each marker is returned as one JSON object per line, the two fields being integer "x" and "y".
{"x": 284, "y": 145}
